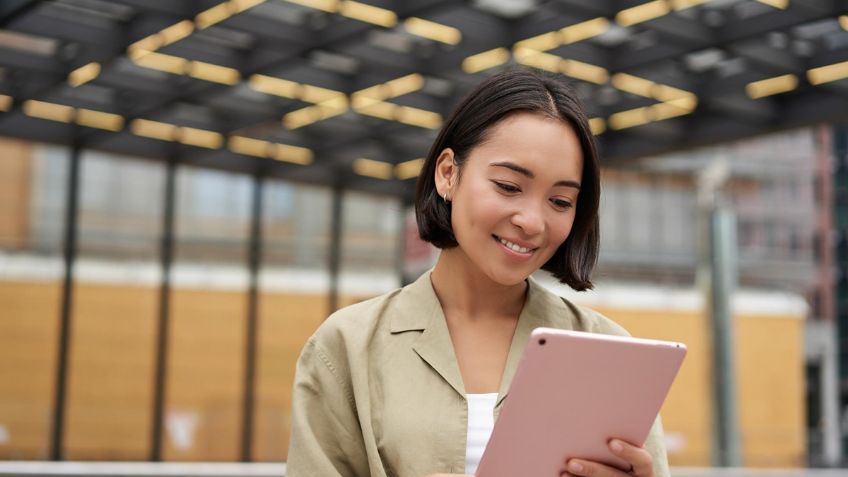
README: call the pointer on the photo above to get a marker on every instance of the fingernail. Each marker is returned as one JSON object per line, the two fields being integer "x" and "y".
{"x": 616, "y": 446}
{"x": 575, "y": 466}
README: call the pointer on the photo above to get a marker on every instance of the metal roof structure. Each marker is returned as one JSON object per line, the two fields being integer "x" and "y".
{"x": 352, "y": 93}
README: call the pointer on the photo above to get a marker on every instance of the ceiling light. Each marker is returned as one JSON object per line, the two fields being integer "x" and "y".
{"x": 633, "y": 84}
{"x": 84, "y": 74}
{"x": 214, "y": 15}
{"x": 49, "y": 111}
{"x": 779, "y": 4}
{"x": 584, "y": 31}
{"x": 543, "y": 42}
{"x": 433, "y": 31}
{"x": 678, "y": 5}
{"x": 642, "y": 13}
{"x": 630, "y": 118}
{"x": 368, "y": 13}
{"x": 99, "y": 120}
{"x": 404, "y": 85}
{"x": 248, "y": 146}
{"x": 826, "y": 74}
{"x": 5, "y": 102}
{"x": 330, "y": 6}
{"x": 372, "y": 168}
{"x": 201, "y": 138}
{"x": 664, "y": 92}
{"x": 166, "y": 63}
{"x": 597, "y": 125}
{"x": 537, "y": 59}
{"x": 314, "y": 94}
{"x": 145, "y": 46}
{"x": 584, "y": 71}
{"x": 293, "y": 154}
{"x": 275, "y": 86}
{"x": 672, "y": 109}
{"x": 771, "y": 86}
{"x": 176, "y": 32}
{"x": 418, "y": 117}
{"x": 409, "y": 169}
{"x": 487, "y": 59}
{"x": 843, "y": 22}
{"x": 302, "y": 117}
{"x": 214, "y": 73}
{"x": 380, "y": 110}
{"x": 154, "y": 129}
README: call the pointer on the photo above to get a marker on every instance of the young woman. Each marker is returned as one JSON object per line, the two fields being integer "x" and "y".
{"x": 409, "y": 383}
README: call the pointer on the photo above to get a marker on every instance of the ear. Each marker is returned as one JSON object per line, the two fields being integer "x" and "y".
{"x": 446, "y": 173}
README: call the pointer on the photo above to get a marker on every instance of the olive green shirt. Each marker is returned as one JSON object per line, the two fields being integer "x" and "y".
{"x": 378, "y": 390}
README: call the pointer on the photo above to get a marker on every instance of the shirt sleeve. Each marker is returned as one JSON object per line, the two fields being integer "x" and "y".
{"x": 654, "y": 446}
{"x": 326, "y": 439}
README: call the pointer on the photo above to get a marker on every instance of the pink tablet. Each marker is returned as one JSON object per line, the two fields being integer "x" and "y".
{"x": 572, "y": 393}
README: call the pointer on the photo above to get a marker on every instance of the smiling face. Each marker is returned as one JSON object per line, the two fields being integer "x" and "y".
{"x": 514, "y": 203}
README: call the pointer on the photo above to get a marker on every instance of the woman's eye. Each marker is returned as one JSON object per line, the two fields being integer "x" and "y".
{"x": 561, "y": 204}
{"x": 506, "y": 187}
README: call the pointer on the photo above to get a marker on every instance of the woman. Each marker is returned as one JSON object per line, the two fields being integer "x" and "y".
{"x": 409, "y": 383}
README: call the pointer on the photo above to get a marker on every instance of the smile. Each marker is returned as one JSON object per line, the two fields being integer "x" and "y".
{"x": 512, "y": 246}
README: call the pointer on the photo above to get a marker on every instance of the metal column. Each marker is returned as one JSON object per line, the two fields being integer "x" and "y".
{"x": 70, "y": 255}
{"x": 717, "y": 276}
{"x": 335, "y": 247}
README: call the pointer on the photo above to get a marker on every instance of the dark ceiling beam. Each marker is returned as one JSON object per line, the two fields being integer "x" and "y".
{"x": 771, "y": 61}
{"x": 12, "y": 10}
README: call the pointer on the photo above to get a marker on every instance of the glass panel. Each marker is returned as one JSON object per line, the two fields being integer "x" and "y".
{"x": 33, "y": 185}
{"x": 115, "y": 309}
{"x": 207, "y": 321}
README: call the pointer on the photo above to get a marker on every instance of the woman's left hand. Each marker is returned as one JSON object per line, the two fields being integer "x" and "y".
{"x": 640, "y": 460}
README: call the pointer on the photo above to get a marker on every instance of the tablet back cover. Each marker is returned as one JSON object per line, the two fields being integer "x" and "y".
{"x": 572, "y": 393}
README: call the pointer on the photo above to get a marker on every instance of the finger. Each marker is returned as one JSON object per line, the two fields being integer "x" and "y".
{"x": 638, "y": 457}
{"x": 587, "y": 468}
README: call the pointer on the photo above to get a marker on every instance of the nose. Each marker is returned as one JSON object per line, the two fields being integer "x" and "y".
{"x": 529, "y": 219}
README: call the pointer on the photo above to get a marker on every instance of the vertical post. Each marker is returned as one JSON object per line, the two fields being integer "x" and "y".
{"x": 70, "y": 255}
{"x": 717, "y": 277}
{"x": 254, "y": 257}
{"x": 162, "y": 331}
{"x": 400, "y": 255}
{"x": 335, "y": 247}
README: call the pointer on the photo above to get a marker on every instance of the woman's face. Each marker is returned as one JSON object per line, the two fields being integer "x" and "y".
{"x": 515, "y": 201}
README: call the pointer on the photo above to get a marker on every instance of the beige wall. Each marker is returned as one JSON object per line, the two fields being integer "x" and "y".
{"x": 111, "y": 380}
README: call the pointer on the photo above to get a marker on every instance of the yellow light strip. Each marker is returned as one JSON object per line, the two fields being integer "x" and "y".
{"x": 372, "y": 168}
{"x": 176, "y": 32}
{"x": 633, "y": 84}
{"x": 154, "y": 129}
{"x": 584, "y": 71}
{"x": 214, "y": 73}
{"x": 826, "y": 74}
{"x": 368, "y": 13}
{"x": 380, "y": 110}
{"x": 779, "y": 4}
{"x": 543, "y": 42}
{"x": 630, "y": 118}
{"x": 597, "y": 125}
{"x": 771, "y": 86}
{"x": 404, "y": 85}
{"x": 667, "y": 93}
{"x": 537, "y": 59}
{"x": 433, "y": 31}
{"x": 584, "y": 30}
{"x": 314, "y": 94}
{"x": 311, "y": 114}
{"x": 200, "y": 138}
{"x": 84, "y": 74}
{"x": 5, "y": 102}
{"x": 275, "y": 86}
{"x": 487, "y": 59}
{"x": 214, "y": 15}
{"x": 49, "y": 111}
{"x": 99, "y": 120}
{"x": 418, "y": 117}
{"x": 161, "y": 62}
{"x": 293, "y": 154}
{"x": 330, "y": 6}
{"x": 249, "y": 146}
{"x": 642, "y": 13}
{"x": 679, "y": 5}
{"x": 409, "y": 169}
{"x": 242, "y": 5}
{"x": 843, "y": 22}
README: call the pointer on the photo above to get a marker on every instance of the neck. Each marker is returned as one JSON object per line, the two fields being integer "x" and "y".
{"x": 465, "y": 290}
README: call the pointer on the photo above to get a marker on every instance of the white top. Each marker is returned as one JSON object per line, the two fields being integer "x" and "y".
{"x": 481, "y": 420}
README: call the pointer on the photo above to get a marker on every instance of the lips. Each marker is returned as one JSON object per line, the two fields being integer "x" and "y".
{"x": 515, "y": 247}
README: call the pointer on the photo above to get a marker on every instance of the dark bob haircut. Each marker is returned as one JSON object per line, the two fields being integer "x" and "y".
{"x": 507, "y": 93}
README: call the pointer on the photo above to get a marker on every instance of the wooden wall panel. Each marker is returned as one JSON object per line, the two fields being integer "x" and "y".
{"x": 15, "y": 180}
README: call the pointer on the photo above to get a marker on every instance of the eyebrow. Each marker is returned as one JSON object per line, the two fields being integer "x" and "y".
{"x": 528, "y": 173}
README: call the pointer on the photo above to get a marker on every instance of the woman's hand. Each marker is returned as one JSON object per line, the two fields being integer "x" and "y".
{"x": 640, "y": 460}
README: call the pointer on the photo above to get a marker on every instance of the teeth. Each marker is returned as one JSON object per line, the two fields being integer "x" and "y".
{"x": 514, "y": 247}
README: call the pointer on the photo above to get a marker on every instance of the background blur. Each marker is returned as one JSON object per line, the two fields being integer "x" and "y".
{"x": 188, "y": 188}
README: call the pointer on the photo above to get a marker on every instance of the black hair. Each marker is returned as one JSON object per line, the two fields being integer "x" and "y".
{"x": 513, "y": 91}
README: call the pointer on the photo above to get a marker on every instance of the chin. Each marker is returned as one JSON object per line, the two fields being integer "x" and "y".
{"x": 508, "y": 278}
